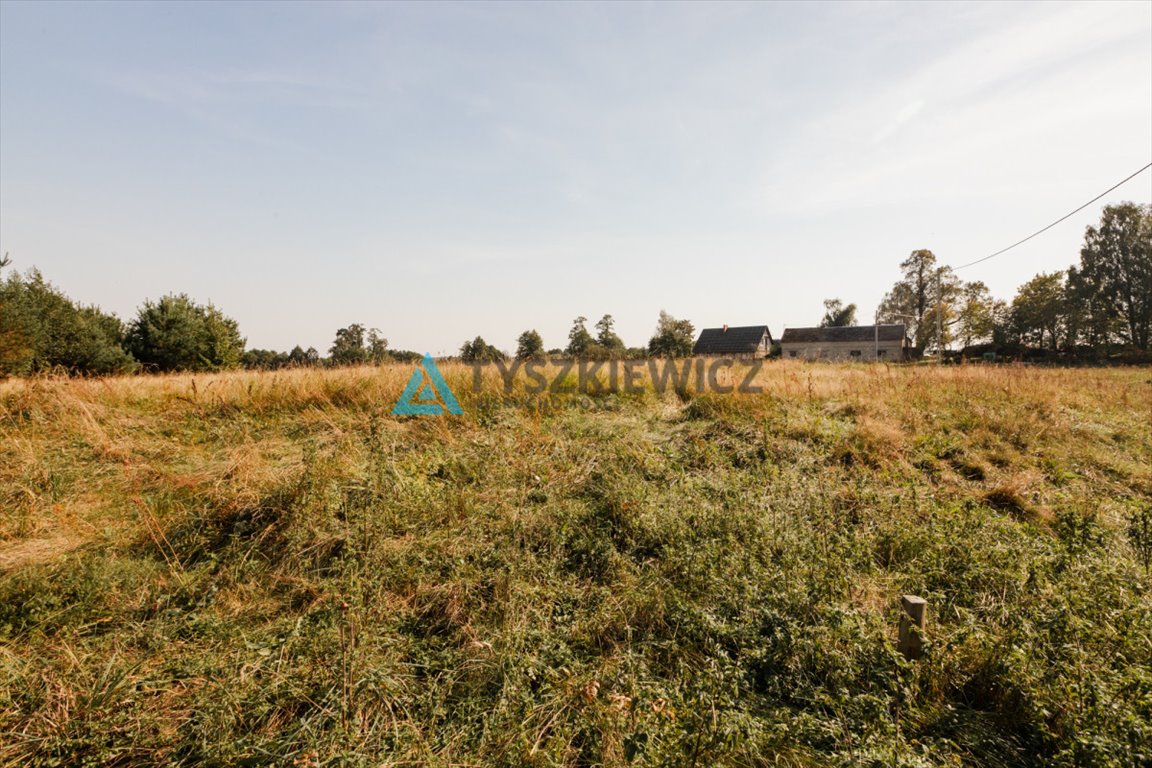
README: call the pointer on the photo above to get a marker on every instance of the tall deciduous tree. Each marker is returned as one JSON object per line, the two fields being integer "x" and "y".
{"x": 357, "y": 345}
{"x": 673, "y": 338}
{"x": 837, "y": 314}
{"x": 1038, "y": 311}
{"x": 1116, "y": 268}
{"x": 925, "y": 299}
{"x": 610, "y": 343}
{"x": 349, "y": 348}
{"x": 479, "y": 351}
{"x": 300, "y": 356}
{"x": 529, "y": 346}
{"x": 377, "y": 346}
{"x": 1092, "y": 318}
{"x": 976, "y": 314}
{"x": 580, "y": 342}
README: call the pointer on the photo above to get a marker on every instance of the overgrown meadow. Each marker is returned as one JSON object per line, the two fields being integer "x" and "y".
{"x": 271, "y": 569}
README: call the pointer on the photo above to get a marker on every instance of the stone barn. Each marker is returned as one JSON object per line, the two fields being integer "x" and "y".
{"x": 745, "y": 341}
{"x": 856, "y": 342}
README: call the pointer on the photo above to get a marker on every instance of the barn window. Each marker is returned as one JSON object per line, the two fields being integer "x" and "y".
{"x": 855, "y": 353}
{"x": 881, "y": 353}
{"x": 792, "y": 353}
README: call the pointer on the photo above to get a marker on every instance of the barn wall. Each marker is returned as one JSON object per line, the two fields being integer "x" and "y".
{"x": 842, "y": 350}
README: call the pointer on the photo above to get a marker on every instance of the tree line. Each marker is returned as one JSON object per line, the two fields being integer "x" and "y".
{"x": 672, "y": 338}
{"x": 1094, "y": 308}
{"x": 42, "y": 330}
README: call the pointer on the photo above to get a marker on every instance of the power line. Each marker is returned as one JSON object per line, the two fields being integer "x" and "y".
{"x": 1062, "y": 218}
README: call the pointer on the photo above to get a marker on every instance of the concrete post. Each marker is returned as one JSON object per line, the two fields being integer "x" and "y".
{"x": 912, "y": 626}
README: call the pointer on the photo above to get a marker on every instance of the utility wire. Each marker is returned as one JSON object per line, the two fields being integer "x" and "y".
{"x": 1062, "y": 218}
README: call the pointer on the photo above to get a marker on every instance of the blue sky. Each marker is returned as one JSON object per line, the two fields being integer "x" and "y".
{"x": 446, "y": 170}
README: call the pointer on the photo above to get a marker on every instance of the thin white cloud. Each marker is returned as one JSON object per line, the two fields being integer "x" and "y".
{"x": 231, "y": 102}
{"x": 902, "y": 117}
{"x": 1019, "y": 95}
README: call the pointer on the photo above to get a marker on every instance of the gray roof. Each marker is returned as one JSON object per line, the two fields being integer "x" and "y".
{"x": 744, "y": 339}
{"x": 859, "y": 333}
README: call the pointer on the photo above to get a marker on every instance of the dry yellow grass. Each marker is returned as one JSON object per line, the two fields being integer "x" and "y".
{"x": 124, "y": 424}
{"x": 248, "y": 566}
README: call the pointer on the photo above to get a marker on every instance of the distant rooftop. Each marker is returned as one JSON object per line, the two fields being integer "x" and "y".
{"x": 731, "y": 340}
{"x": 860, "y": 333}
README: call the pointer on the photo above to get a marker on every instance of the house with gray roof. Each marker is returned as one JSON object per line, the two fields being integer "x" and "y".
{"x": 856, "y": 342}
{"x": 745, "y": 341}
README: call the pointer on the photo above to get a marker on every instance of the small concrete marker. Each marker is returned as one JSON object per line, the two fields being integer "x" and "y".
{"x": 915, "y": 615}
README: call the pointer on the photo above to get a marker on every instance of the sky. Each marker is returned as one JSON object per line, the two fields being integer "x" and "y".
{"x": 442, "y": 170}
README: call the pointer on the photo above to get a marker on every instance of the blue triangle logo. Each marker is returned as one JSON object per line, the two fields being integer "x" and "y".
{"x": 427, "y": 394}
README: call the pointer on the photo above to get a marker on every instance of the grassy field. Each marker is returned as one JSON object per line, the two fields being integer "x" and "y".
{"x": 271, "y": 569}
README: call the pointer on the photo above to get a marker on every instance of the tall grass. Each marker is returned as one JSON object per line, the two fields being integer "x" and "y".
{"x": 271, "y": 569}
